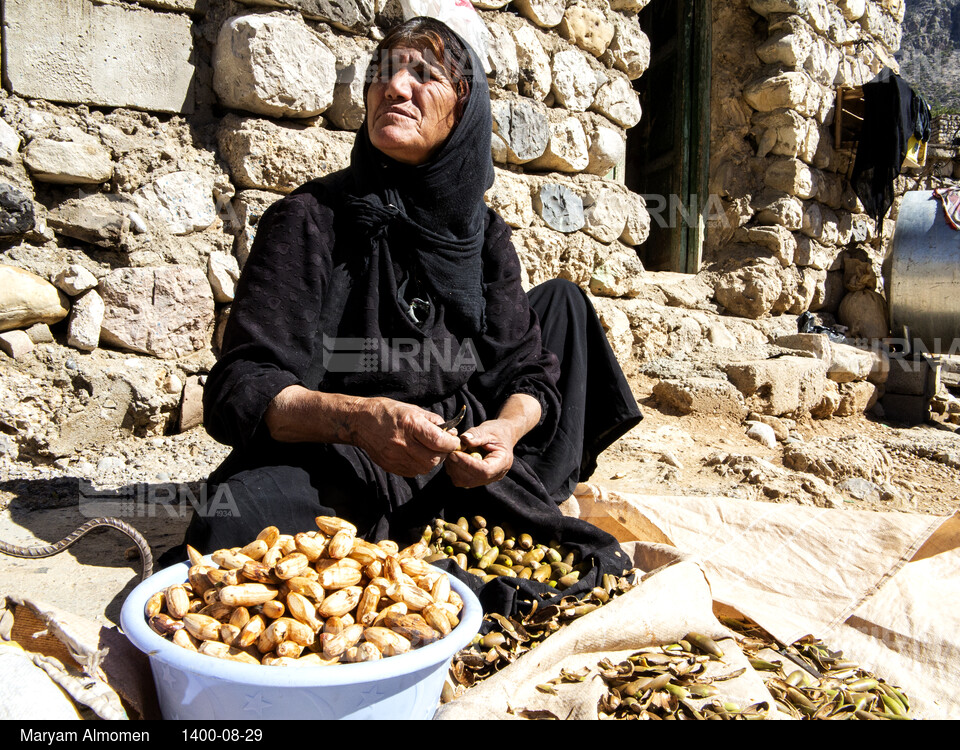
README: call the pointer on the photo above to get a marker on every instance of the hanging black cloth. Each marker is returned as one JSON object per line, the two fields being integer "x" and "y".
{"x": 893, "y": 112}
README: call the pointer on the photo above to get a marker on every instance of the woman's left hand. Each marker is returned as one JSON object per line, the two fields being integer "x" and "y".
{"x": 494, "y": 440}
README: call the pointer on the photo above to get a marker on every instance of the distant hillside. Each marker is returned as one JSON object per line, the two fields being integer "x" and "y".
{"x": 929, "y": 55}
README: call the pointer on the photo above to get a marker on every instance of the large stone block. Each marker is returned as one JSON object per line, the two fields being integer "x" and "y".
{"x": 546, "y": 254}
{"x": 86, "y": 318}
{"x": 774, "y": 207}
{"x": 100, "y": 218}
{"x": 864, "y": 312}
{"x": 349, "y": 15}
{"x": 781, "y": 386}
{"x": 178, "y": 203}
{"x": 533, "y": 63}
{"x": 792, "y": 90}
{"x": 110, "y": 55}
{"x": 188, "y": 6}
{"x": 17, "y": 212}
{"x": 574, "y": 82}
{"x": 273, "y": 64}
{"x": 793, "y": 177}
{"x": 617, "y": 272}
{"x": 502, "y": 55}
{"x": 637, "y": 227}
{"x": 567, "y": 150}
{"x": 511, "y": 197}
{"x": 618, "y": 101}
{"x": 68, "y": 162}
{"x": 165, "y": 312}
{"x": 523, "y": 126}
{"x": 267, "y": 155}
{"x": 559, "y": 207}
{"x": 245, "y": 211}
{"x": 349, "y": 109}
{"x": 630, "y": 48}
{"x": 767, "y": 7}
{"x": 25, "y": 299}
{"x": 544, "y": 13}
{"x": 607, "y": 144}
{"x": 604, "y": 212}
{"x": 750, "y": 292}
{"x": 588, "y": 29}
{"x": 696, "y": 395}
{"x": 789, "y": 45}
{"x": 784, "y": 132}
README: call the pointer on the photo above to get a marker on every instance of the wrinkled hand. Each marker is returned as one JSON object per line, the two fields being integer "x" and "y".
{"x": 402, "y": 438}
{"x": 495, "y": 440}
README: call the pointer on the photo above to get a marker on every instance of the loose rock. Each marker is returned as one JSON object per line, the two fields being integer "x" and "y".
{"x": 781, "y": 386}
{"x": 75, "y": 279}
{"x": 191, "y": 406}
{"x": 698, "y": 395}
{"x": 16, "y": 344}
{"x": 86, "y": 317}
{"x": 68, "y": 162}
{"x": 16, "y": 211}
{"x": 223, "y": 271}
{"x": 25, "y": 299}
{"x": 763, "y": 434}
{"x": 865, "y": 314}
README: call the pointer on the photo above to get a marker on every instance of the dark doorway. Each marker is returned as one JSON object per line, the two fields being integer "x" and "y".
{"x": 668, "y": 151}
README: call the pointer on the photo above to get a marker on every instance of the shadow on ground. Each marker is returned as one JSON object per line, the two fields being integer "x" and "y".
{"x": 38, "y": 512}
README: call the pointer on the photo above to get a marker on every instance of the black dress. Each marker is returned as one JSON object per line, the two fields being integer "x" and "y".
{"x": 310, "y": 311}
{"x": 396, "y": 280}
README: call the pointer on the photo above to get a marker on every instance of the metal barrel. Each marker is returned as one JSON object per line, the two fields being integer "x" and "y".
{"x": 924, "y": 285}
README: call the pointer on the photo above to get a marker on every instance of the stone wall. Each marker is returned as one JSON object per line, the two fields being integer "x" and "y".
{"x": 795, "y": 236}
{"x": 140, "y": 142}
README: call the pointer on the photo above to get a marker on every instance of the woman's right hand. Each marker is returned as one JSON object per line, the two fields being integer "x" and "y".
{"x": 402, "y": 438}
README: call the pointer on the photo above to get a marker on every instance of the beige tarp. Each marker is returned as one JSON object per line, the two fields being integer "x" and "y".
{"x": 880, "y": 586}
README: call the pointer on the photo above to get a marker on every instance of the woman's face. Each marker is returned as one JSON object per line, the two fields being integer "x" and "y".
{"x": 410, "y": 107}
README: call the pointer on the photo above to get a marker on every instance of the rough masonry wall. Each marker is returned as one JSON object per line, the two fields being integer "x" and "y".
{"x": 140, "y": 142}
{"x": 795, "y": 236}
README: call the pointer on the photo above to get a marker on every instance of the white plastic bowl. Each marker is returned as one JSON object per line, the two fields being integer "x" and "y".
{"x": 197, "y": 687}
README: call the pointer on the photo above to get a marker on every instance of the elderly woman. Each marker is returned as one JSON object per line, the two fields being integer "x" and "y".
{"x": 382, "y": 300}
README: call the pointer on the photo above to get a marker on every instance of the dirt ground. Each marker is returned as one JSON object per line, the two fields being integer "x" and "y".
{"x": 914, "y": 470}
{"x": 671, "y": 455}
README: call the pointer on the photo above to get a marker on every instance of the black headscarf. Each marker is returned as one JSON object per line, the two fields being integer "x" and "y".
{"x": 434, "y": 211}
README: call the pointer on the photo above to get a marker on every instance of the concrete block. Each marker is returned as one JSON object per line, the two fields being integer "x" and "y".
{"x": 104, "y": 55}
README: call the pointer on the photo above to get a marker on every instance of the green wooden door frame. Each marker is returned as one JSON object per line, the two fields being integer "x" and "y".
{"x": 672, "y": 168}
{"x": 698, "y": 161}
